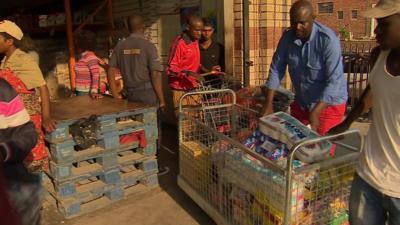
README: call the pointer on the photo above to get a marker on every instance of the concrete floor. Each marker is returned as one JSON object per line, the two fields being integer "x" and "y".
{"x": 167, "y": 205}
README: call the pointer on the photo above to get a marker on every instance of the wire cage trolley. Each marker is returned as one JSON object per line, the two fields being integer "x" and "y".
{"x": 236, "y": 185}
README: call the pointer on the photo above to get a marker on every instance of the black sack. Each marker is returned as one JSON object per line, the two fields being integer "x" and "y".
{"x": 83, "y": 132}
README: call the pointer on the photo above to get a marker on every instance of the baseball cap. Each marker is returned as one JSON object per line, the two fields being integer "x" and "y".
{"x": 11, "y": 28}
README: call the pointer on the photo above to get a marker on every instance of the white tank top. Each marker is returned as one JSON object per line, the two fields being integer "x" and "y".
{"x": 380, "y": 160}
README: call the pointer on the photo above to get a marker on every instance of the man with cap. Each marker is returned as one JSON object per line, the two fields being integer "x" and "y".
{"x": 375, "y": 195}
{"x": 311, "y": 51}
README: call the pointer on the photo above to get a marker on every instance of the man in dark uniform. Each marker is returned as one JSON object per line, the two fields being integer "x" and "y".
{"x": 138, "y": 61}
{"x": 212, "y": 54}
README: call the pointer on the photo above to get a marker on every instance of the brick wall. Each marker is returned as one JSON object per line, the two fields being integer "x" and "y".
{"x": 125, "y": 8}
{"x": 359, "y": 27}
{"x": 267, "y": 21}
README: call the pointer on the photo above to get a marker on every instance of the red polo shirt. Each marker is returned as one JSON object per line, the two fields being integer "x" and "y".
{"x": 184, "y": 56}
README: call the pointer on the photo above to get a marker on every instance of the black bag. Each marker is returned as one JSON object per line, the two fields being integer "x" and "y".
{"x": 83, "y": 132}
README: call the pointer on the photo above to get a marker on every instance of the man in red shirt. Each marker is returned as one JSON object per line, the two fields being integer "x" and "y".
{"x": 184, "y": 61}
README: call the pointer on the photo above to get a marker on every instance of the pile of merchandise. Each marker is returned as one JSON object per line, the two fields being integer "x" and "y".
{"x": 254, "y": 98}
{"x": 259, "y": 196}
{"x": 279, "y": 132}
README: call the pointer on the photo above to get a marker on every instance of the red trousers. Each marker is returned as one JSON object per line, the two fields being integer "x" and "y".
{"x": 329, "y": 117}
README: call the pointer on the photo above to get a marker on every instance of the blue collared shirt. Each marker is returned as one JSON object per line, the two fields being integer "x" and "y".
{"x": 315, "y": 67}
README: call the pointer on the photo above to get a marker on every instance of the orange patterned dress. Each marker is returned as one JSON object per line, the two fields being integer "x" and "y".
{"x": 37, "y": 160}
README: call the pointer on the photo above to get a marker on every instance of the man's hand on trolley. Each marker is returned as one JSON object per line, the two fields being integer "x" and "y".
{"x": 198, "y": 77}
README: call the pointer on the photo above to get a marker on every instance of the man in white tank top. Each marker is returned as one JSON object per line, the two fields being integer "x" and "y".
{"x": 375, "y": 195}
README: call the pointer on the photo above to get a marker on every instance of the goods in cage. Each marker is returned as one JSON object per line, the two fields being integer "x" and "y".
{"x": 288, "y": 130}
{"x": 195, "y": 148}
{"x": 266, "y": 205}
{"x": 270, "y": 210}
{"x": 241, "y": 201}
{"x": 282, "y": 100}
{"x": 242, "y": 173}
{"x": 270, "y": 148}
{"x": 254, "y": 98}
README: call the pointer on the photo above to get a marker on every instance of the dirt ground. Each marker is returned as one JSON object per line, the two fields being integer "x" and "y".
{"x": 167, "y": 205}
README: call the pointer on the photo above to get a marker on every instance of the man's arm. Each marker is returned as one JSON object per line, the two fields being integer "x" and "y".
{"x": 203, "y": 69}
{"x": 269, "y": 100}
{"x": 276, "y": 74}
{"x": 174, "y": 67}
{"x": 111, "y": 81}
{"x": 156, "y": 81}
{"x": 112, "y": 70}
{"x": 174, "y": 61}
{"x": 363, "y": 105}
{"x": 94, "y": 68}
{"x": 156, "y": 76}
{"x": 48, "y": 123}
{"x": 334, "y": 76}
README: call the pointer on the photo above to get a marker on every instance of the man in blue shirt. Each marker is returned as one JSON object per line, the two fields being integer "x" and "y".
{"x": 312, "y": 53}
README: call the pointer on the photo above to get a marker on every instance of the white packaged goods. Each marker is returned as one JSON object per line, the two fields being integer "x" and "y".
{"x": 288, "y": 130}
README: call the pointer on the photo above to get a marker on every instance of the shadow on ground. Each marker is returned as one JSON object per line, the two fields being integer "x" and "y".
{"x": 169, "y": 158}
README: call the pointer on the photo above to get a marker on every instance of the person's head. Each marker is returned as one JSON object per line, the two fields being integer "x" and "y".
{"x": 10, "y": 36}
{"x": 85, "y": 41}
{"x": 387, "y": 13}
{"x": 208, "y": 29}
{"x": 136, "y": 24}
{"x": 194, "y": 27}
{"x": 302, "y": 18}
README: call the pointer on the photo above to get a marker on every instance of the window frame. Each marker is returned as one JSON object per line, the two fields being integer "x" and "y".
{"x": 342, "y": 14}
{"x": 352, "y": 14}
{"x": 329, "y": 6}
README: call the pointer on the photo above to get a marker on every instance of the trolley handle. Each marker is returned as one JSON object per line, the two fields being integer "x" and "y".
{"x": 231, "y": 92}
{"x": 311, "y": 141}
{"x": 294, "y": 149}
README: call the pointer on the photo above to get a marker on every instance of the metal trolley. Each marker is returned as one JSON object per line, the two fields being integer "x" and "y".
{"x": 235, "y": 185}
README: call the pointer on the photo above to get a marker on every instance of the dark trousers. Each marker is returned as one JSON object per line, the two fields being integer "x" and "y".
{"x": 146, "y": 94}
{"x": 26, "y": 199}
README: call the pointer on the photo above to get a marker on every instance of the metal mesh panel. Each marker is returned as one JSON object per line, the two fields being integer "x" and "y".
{"x": 238, "y": 186}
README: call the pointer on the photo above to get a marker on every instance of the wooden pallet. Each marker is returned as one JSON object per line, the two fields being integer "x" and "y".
{"x": 108, "y": 120}
{"x": 90, "y": 165}
{"x": 67, "y": 150}
{"x": 100, "y": 196}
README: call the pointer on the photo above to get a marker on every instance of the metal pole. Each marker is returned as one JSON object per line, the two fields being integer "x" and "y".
{"x": 110, "y": 14}
{"x": 246, "y": 48}
{"x": 90, "y": 17}
{"x": 70, "y": 38}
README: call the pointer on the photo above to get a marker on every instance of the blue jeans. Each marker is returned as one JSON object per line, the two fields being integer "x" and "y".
{"x": 368, "y": 206}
